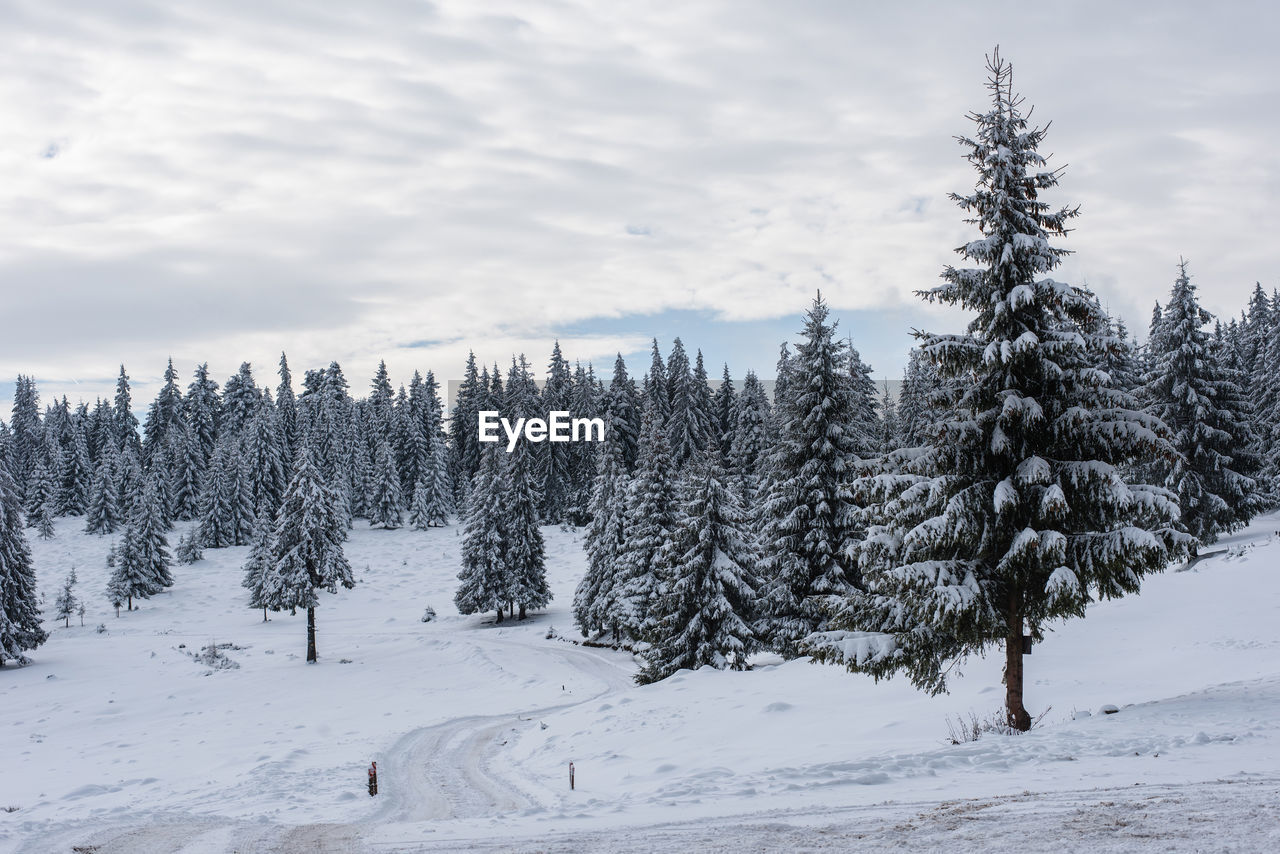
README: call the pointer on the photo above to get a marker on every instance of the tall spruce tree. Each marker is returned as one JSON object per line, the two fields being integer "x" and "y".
{"x": 257, "y": 576}
{"x": 485, "y": 582}
{"x": 385, "y": 498}
{"x": 163, "y": 416}
{"x": 622, "y": 425}
{"x": 594, "y": 601}
{"x": 306, "y": 553}
{"x": 652, "y": 511}
{"x": 103, "y": 515}
{"x": 809, "y": 517}
{"x": 553, "y": 460}
{"x": 20, "y": 629}
{"x": 240, "y": 401}
{"x": 1016, "y": 513}
{"x": 657, "y": 394}
{"x": 77, "y": 474}
{"x": 433, "y": 495}
{"x": 725, "y": 407}
{"x": 1193, "y": 393}
{"x": 751, "y": 435}
{"x": 464, "y": 446}
{"x": 264, "y": 456}
{"x": 201, "y": 406}
{"x": 124, "y": 422}
{"x": 704, "y": 616}
{"x": 525, "y": 553}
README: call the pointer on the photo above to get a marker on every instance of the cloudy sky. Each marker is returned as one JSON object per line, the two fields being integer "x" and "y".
{"x": 218, "y": 181}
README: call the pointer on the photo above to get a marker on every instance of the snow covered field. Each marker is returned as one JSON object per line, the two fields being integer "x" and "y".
{"x": 121, "y": 740}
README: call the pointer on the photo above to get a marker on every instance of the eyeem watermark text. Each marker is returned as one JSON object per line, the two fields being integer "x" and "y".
{"x": 558, "y": 426}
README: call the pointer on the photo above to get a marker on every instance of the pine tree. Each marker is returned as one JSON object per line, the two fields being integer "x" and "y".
{"x": 20, "y": 628}
{"x": 751, "y": 437}
{"x": 140, "y": 568}
{"x": 287, "y": 408}
{"x": 622, "y": 404}
{"x": 44, "y": 524}
{"x": 124, "y": 422}
{"x": 552, "y": 460}
{"x": 923, "y": 395}
{"x": 188, "y": 550}
{"x": 27, "y": 436}
{"x": 464, "y": 446}
{"x": 433, "y": 494}
{"x": 890, "y": 428}
{"x": 524, "y": 555}
{"x": 306, "y": 554}
{"x": 257, "y": 570}
{"x": 104, "y": 515}
{"x": 809, "y": 516}
{"x": 1192, "y": 393}
{"x": 651, "y": 515}
{"x": 587, "y": 400}
{"x": 657, "y": 395}
{"x": 201, "y": 407}
{"x": 264, "y": 454}
{"x": 240, "y": 401}
{"x": 164, "y": 416}
{"x": 67, "y": 603}
{"x": 594, "y": 602}
{"x": 385, "y": 498}
{"x": 181, "y": 461}
{"x": 704, "y": 617}
{"x": 150, "y": 546}
{"x": 688, "y": 426}
{"x": 1016, "y": 514}
{"x": 865, "y": 427}
{"x": 77, "y": 475}
{"x": 725, "y": 405}
{"x": 227, "y": 503}
{"x": 41, "y": 493}
{"x": 484, "y": 578}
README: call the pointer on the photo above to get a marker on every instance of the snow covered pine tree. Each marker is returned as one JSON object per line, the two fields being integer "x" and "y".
{"x": 1015, "y": 511}
{"x": 20, "y": 628}
{"x": 1196, "y": 396}
{"x": 306, "y": 552}
{"x": 703, "y": 615}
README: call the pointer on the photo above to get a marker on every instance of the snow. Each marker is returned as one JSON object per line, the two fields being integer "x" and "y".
{"x": 127, "y": 741}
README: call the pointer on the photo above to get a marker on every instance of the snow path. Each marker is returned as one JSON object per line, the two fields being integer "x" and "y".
{"x": 432, "y": 773}
{"x": 442, "y": 771}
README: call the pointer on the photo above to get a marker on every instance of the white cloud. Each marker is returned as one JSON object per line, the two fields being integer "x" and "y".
{"x": 220, "y": 181}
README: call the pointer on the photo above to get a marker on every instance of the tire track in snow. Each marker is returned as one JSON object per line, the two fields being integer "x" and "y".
{"x": 432, "y": 773}
{"x": 443, "y": 771}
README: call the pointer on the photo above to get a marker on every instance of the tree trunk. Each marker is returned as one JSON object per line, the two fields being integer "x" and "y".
{"x": 522, "y": 612}
{"x": 311, "y": 636}
{"x": 264, "y": 613}
{"x": 1018, "y": 718}
{"x": 500, "y": 615}
{"x": 130, "y": 608}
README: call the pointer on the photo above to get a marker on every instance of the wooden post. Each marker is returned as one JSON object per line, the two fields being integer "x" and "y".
{"x": 373, "y": 779}
{"x": 571, "y": 776}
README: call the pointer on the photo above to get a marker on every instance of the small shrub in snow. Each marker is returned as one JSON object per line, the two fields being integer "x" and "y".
{"x": 962, "y": 730}
{"x": 212, "y": 656}
{"x": 102, "y": 628}
{"x": 429, "y": 614}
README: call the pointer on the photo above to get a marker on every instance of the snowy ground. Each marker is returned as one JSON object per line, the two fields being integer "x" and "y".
{"x": 122, "y": 741}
